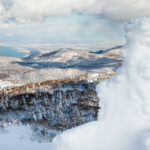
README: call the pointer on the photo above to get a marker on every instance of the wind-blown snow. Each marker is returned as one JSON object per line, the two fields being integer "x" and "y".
{"x": 124, "y": 120}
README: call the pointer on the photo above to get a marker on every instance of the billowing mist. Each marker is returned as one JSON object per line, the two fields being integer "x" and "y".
{"x": 124, "y": 118}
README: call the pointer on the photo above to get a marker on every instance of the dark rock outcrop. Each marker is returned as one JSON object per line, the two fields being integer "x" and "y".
{"x": 50, "y": 106}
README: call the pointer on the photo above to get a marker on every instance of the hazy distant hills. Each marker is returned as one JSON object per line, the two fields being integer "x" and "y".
{"x": 73, "y": 59}
{"x": 107, "y": 50}
{"x": 39, "y": 66}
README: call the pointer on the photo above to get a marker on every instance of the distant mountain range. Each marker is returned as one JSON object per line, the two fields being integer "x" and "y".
{"x": 104, "y": 51}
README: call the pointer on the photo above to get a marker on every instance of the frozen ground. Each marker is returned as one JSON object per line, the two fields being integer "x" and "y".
{"x": 4, "y": 84}
{"x": 38, "y": 67}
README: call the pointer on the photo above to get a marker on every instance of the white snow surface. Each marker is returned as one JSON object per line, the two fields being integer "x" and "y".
{"x": 4, "y": 84}
{"x": 124, "y": 120}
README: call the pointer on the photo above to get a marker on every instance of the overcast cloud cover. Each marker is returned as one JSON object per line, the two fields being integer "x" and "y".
{"x": 22, "y": 11}
{"x": 27, "y": 20}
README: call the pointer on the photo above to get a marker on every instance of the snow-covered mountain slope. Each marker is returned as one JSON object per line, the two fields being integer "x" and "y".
{"x": 57, "y": 65}
{"x": 72, "y": 59}
{"x": 54, "y": 98}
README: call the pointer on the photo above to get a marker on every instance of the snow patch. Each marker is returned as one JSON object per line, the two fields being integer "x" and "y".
{"x": 4, "y": 84}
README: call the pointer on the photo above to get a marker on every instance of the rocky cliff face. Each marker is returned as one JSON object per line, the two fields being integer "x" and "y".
{"x": 50, "y": 107}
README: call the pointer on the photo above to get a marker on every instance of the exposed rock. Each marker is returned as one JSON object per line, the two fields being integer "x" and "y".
{"x": 57, "y": 105}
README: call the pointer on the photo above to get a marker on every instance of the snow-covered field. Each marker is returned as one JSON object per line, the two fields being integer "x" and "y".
{"x": 60, "y": 64}
{"x": 4, "y": 84}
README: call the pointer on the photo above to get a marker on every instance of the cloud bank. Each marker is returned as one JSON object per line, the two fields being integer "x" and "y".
{"x": 124, "y": 120}
{"x": 99, "y": 19}
{"x": 23, "y": 11}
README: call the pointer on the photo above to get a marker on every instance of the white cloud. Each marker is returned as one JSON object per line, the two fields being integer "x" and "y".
{"x": 16, "y": 13}
{"x": 124, "y": 10}
{"x": 124, "y": 117}
{"x": 23, "y": 11}
{"x": 66, "y": 28}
